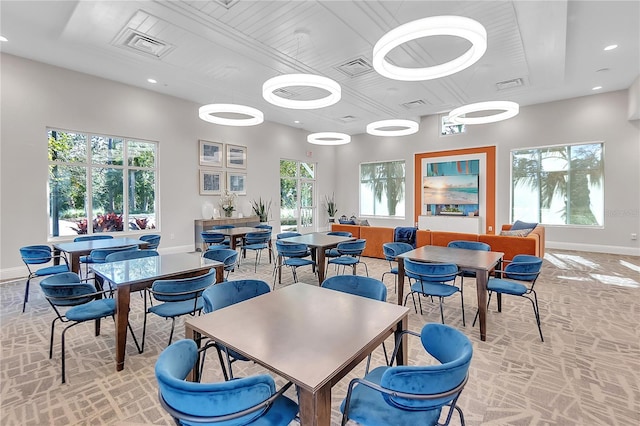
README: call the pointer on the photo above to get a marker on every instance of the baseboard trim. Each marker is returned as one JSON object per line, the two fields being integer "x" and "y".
{"x": 595, "y": 248}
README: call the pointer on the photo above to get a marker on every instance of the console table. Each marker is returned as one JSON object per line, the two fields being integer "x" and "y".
{"x": 200, "y": 225}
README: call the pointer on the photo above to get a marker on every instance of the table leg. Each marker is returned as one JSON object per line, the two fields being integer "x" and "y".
{"x": 402, "y": 357}
{"x": 56, "y": 256}
{"x": 190, "y": 333}
{"x": 481, "y": 289}
{"x": 403, "y": 350}
{"x": 74, "y": 262}
{"x": 219, "y": 274}
{"x": 123, "y": 296}
{"x": 320, "y": 262}
{"x": 315, "y": 408}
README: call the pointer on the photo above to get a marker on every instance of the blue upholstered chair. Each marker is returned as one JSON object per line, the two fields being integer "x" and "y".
{"x": 100, "y": 256}
{"x": 350, "y": 252}
{"x": 225, "y": 255}
{"x": 130, "y": 254}
{"x": 249, "y": 400}
{"x": 518, "y": 279}
{"x": 414, "y": 395}
{"x": 391, "y": 252}
{"x": 358, "y": 285}
{"x": 226, "y": 294}
{"x": 153, "y": 240}
{"x": 431, "y": 280}
{"x": 333, "y": 252}
{"x": 92, "y": 237}
{"x": 39, "y": 255}
{"x": 179, "y": 297}
{"x": 218, "y": 227}
{"x": 468, "y": 245}
{"x": 81, "y": 301}
{"x": 214, "y": 239}
{"x": 292, "y": 255}
{"x": 283, "y": 235}
{"x": 405, "y": 234}
{"x": 256, "y": 241}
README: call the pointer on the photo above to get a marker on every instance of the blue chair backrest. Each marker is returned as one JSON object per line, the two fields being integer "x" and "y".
{"x": 227, "y": 256}
{"x": 286, "y": 249}
{"x": 392, "y": 250}
{"x": 341, "y": 233}
{"x": 212, "y": 237}
{"x": 153, "y": 240}
{"x": 451, "y": 348}
{"x": 67, "y": 284}
{"x": 358, "y": 285}
{"x": 469, "y": 245}
{"x": 224, "y": 226}
{"x": 231, "y": 292}
{"x": 36, "y": 254}
{"x": 523, "y": 267}
{"x": 352, "y": 248}
{"x": 405, "y": 234}
{"x": 129, "y": 254}
{"x": 287, "y": 235}
{"x": 92, "y": 237}
{"x": 100, "y": 255}
{"x": 261, "y": 226}
{"x": 257, "y": 237}
{"x": 207, "y": 399}
{"x": 430, "y": 272}
{"x": 171, "y": 289}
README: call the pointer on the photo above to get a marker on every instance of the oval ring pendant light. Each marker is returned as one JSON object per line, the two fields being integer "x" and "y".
{"x": 307, "y": 80}
{"x": 406, "y": 127}
{"x": 208, "y": 113}
{"x": 328, "y": 138}
{"x": 458, "y": 26}
{"x": 509, "y": 109}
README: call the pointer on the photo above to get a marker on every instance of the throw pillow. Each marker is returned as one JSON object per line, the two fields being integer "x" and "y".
{"x": 522, "y": 225}
{"x": 517, "y": 232}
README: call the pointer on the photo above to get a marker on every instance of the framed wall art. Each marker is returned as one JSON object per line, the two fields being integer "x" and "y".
{"x": 211, "y": 154}
{"x": 211, "y": 182}
{"x": 236, "y": 156}
{"x": 237, "y": 183}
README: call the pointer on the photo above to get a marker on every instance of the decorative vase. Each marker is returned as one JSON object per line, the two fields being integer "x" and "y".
{"x": 228, "y": 213}
{"x": 332, "y": 219}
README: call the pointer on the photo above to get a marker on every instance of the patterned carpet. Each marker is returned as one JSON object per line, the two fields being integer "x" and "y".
{"x": 587, "y": 372}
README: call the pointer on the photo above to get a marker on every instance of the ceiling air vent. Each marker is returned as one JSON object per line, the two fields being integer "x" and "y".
{"x": 510, "y": 84}
{"x": 414, "y": 104}
{"x": 142, "y": 43}
{"x": 347, "y": 119}
{"x": 355, "y": 67}
{"x": 228, "y": 4}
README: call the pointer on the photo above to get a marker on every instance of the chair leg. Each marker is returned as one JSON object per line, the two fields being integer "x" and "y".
{"x": 478, "y": 311}
{"x": 26, "y": 294}
{"x": 173, "y": 324}
{"x": 462, "y": 306}
{"x": 536, "y": 312}
{"x": 63, "y": 351}
{"x": 441, "y": 310}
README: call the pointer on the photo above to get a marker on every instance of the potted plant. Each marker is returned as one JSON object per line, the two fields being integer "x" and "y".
{"x": 227, "y": 203}
{"x": 331, "y": 207}
{"x": 261, "y": 209}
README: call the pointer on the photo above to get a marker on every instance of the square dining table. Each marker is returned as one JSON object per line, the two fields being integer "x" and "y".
{"x": 138, "y": 274}
{"x": 480, "y": 262}
{"x": 309, "y": 335}
{"x": 319, "y": 242}
{"x": 76, "y": 249}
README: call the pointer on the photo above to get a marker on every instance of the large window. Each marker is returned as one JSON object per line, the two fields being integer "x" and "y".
{"x": 559, "y": 185}
{"x": 297, "y": 196}
{"x": 100, "y": 183}
{"x": 382, "y": 189}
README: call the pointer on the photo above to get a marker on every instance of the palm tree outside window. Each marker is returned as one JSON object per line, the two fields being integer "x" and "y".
{"x": 559, "y": 185}
{"x": 382, "y": 189}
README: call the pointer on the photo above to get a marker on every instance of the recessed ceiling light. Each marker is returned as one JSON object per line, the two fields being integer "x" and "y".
{"x": 611, "y": 47}
{"x": 597, "y": 88}
{"x": 152, "y": 81}
{"x": 3, "y": 38}
{"x": 296, "y": 121}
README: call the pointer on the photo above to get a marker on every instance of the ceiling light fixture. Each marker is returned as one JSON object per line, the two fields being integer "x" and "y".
{"x": 611, "y": 47}
{"x": 308, "y": 80}
{"x": 152, "y": 80}
{"x": 597, "y": 88}
{"x": 458, "y": 26}
{"x": 3, "y": 38}
{"x": 328, "y": 138}
{"x": 400, "y": 128}
{"x": 509, "y": 109}
{"x": 208, "y": 113}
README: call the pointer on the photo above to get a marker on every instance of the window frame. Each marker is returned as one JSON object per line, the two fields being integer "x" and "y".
{"x": 404, "y": 191}
{"x": 568, "y": 172}
{"x": 89, "y": 166}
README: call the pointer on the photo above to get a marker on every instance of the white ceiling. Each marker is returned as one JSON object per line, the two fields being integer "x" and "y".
{"x": 224, "y": 55}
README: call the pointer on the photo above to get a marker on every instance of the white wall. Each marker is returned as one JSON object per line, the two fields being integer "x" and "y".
{"x": 35, "y": 96}
{"x": 600, "y": 117}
